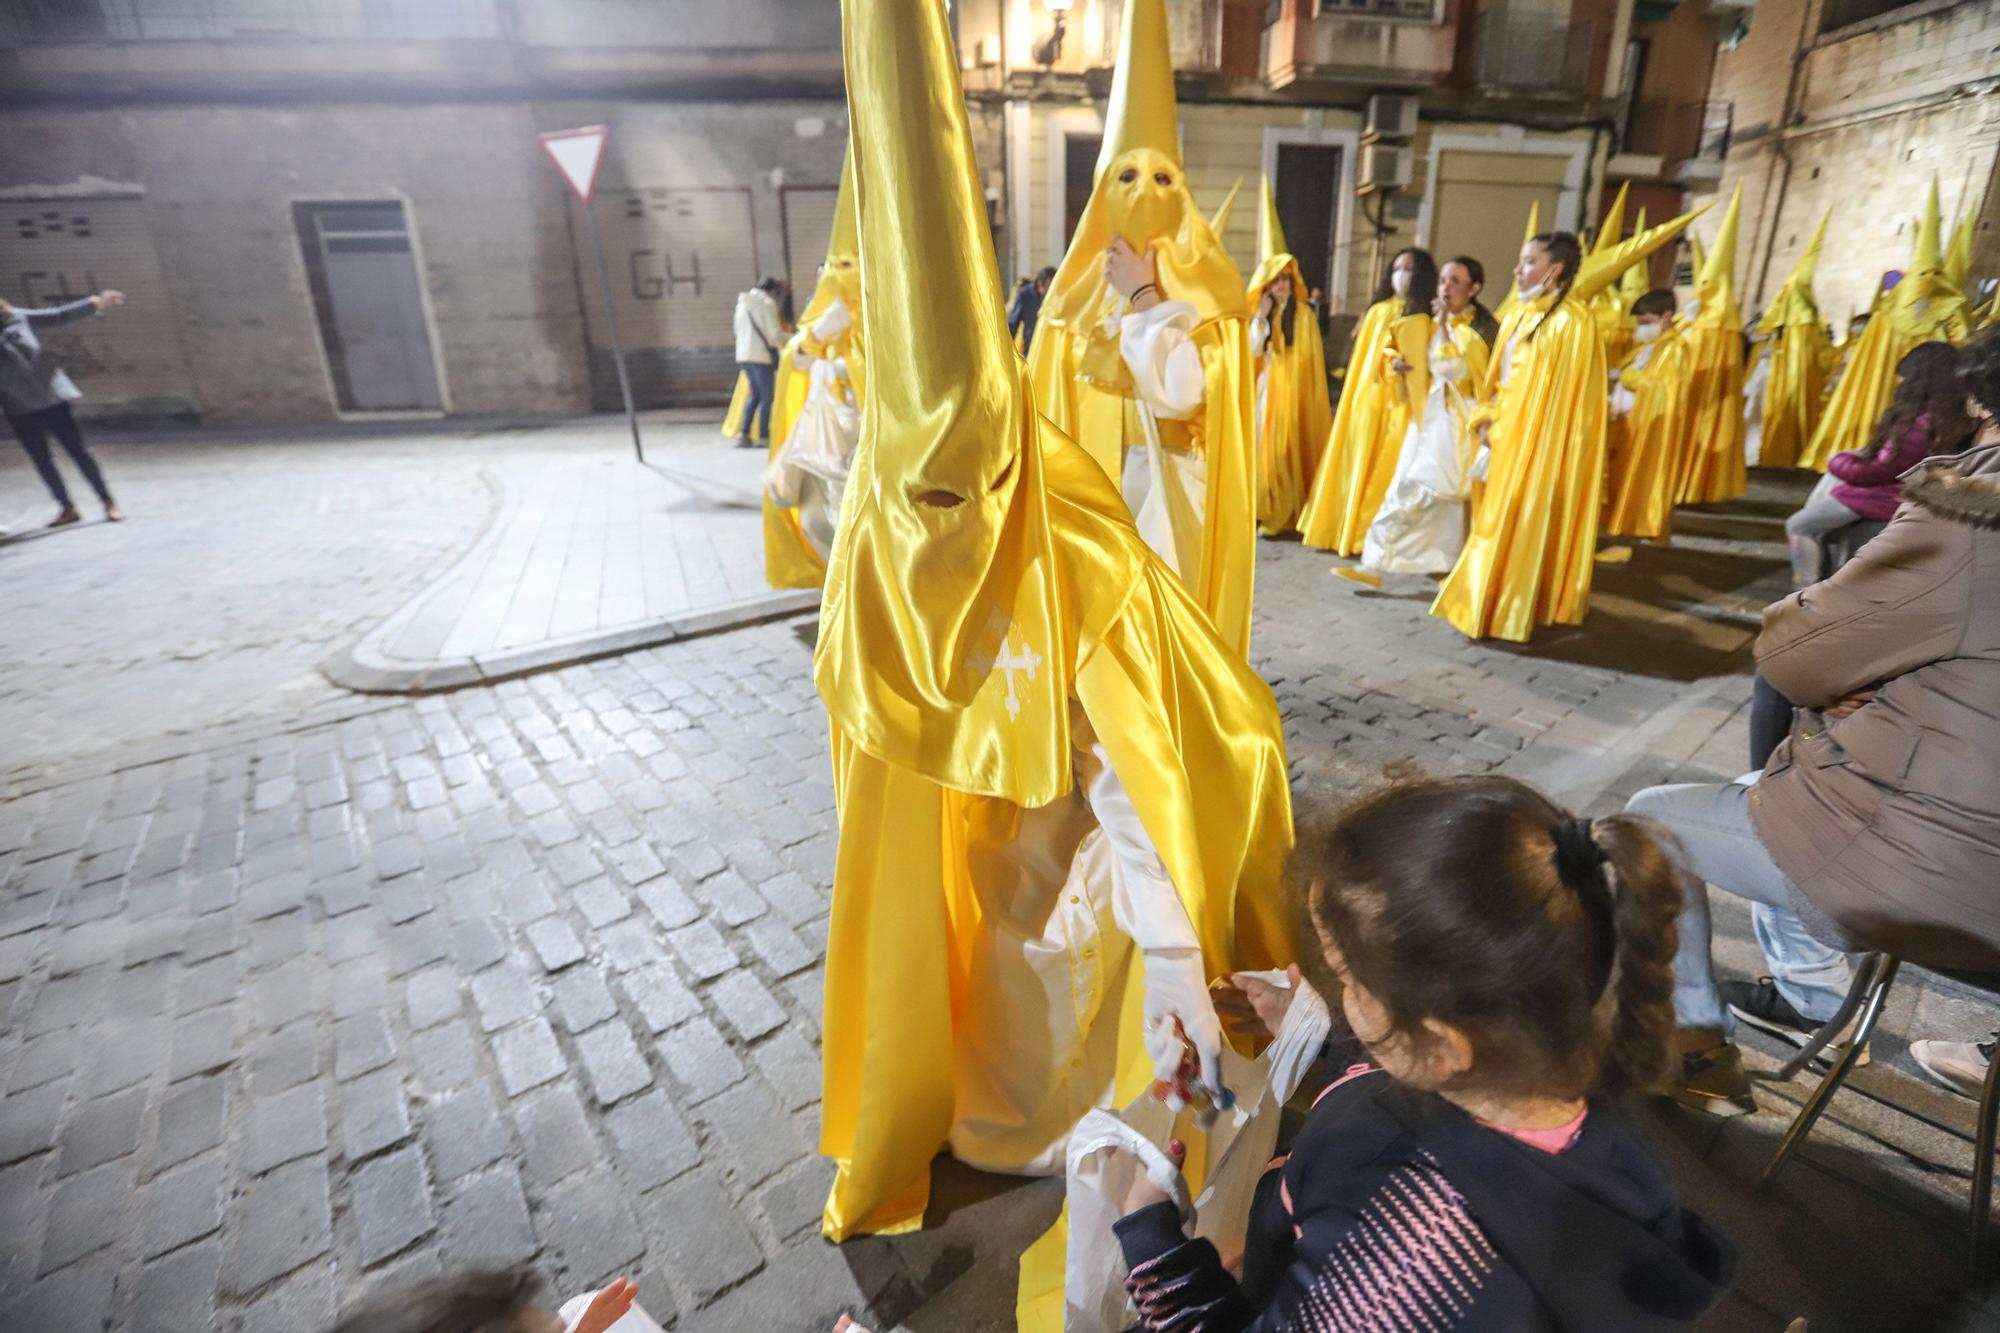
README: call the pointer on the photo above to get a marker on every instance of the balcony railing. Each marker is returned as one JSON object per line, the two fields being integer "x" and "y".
{"x": 1535, "y": 53}
{"x": 232, "y": 20}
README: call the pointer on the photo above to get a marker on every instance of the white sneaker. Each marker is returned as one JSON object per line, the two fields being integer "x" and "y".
{"x": 1959, "y": 1065}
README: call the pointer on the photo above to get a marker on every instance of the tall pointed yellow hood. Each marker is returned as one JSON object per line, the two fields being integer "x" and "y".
{"x": 1715, "y": 280}
{"x": 1611, "y": 231}
{"x": 940, "y": 622}
{"x": 1926, "y": 303}
{"x": 1637, "y": 280}
{"x": 1141, "y": 195}
{"x": 1273, "y": 255}
{"x": 840, "y": 275}
{"x": 1219, "y": 223}
{"x": 1142, "y": 112}
{"x": 1795, "y": 304}
{"x": 1958, "y": 256}
{"x": 1599, "y": 271}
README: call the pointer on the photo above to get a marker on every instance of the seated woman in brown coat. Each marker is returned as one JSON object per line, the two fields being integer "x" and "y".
{"x": 1876, "y": 824}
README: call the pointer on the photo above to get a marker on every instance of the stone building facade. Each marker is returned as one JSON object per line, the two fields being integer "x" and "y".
{"x": 340, "y": 209}
{"x": 1854, "y": 106}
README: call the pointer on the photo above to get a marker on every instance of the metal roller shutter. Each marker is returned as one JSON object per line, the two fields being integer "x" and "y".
{"x": 808, "y": 211}
{"x": 677, "y": 260}
{"x": 61, "y": 249}
{"x": 1482, "y": 203}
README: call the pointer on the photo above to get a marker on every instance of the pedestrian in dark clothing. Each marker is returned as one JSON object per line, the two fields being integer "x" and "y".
{"x": 1027, "y": 308}
{"x": 35, "y": 395}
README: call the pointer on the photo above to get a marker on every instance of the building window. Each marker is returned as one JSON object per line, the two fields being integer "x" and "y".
{"x": 1425, "y": 11}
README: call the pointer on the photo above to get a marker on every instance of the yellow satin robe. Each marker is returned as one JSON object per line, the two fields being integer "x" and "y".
{"x": 1366, "y": 438}
{"x": 732, "y": 420}
{"x": 1795, "y": 393}
{"x": 1528, "y": 559}
{"x": 1711, "y": 465}
{"x": 1868, "y": 379}
{"x": 1194, "y": 735}
{"x": 1645, "y": 444}
{"x": 1297, "y": 416}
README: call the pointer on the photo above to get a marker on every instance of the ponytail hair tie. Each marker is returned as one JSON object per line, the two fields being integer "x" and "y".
{"x": 1580, "y": 865}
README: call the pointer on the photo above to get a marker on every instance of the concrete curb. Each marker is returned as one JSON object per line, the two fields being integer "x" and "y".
{"x": 364, "y": 669}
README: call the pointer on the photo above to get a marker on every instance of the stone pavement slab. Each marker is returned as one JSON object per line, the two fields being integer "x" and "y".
{"x": 530, "y": 973}
{"x": 591, "y": 553}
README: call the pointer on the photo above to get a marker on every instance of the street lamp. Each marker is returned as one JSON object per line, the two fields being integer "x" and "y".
{"x": 1049, "y": 49}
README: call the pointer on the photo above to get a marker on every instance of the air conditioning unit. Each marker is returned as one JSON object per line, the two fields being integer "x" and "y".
{"x": 1390, "y": 116}
{"x": 1385, "y": 167}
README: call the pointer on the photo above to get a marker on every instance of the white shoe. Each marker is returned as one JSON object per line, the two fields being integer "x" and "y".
{"x": 1959, "y": 1065}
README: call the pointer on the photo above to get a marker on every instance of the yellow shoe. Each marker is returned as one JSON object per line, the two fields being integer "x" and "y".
{"x": 1615, "y": 555}
{"x": 1356, "y": 574}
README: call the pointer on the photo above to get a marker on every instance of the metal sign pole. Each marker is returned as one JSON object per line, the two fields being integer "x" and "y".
{"x": 611, "y": 321}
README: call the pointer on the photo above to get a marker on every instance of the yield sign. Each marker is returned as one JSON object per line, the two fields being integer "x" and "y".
{"x": 576, "y": 154}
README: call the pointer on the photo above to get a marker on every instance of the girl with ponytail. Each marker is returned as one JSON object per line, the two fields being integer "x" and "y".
{"x": 1508, "y": 970}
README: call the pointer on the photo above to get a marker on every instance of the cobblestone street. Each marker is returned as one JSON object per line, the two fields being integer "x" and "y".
{"x": 302, "y": 991}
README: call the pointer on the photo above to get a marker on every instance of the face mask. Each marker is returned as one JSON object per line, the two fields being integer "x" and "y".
{"x": 1645, "y": 333}
{"x": 1399, "y": 282}
{"x": 1531, "y": 293}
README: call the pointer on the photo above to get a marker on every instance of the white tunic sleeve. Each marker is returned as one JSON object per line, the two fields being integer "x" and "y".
{"x": 836, "y": 321}
{"x": 1260, "y": 334}
{"x": 1158, "y": 347}
{"x": 1144, "y": 901}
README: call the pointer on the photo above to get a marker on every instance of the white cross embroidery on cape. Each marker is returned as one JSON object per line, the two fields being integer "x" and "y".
{"x": 1010, "y": 660}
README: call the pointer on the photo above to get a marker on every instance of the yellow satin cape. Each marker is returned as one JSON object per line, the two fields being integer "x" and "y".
{"x": 1195, "y": 736}
{"x": 1869, "y": 379}
{"x": 1297, "y": 413}
{"x": 739, "y": 399}
{"x": 1363, "y": 442}
{"x": 1795, "y": 391}
{"x": 1644, "y": 446}
{"x": 1528, "y": 558}
{"x": 1711, "y": 466}
{"x": 1081, "y": 382}
{"x": 1097, "y": 418}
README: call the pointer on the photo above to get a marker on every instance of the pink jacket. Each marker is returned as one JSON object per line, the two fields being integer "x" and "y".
{"x": 1872, "y": 479}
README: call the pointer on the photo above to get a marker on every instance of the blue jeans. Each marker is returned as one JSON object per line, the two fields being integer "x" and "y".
{"x": 1712, "y": 821}
{"x": 762, "y": 391}
{"x": 1818, "y": 519}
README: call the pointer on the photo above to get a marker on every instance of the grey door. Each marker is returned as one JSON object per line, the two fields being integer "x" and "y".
{"x": 371, "y": 306}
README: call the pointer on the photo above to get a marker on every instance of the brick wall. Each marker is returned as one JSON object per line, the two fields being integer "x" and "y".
{"x": 1879, "y": 108}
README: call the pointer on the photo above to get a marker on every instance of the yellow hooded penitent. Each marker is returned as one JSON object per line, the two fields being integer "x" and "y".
{"x": 1923, "y": 307}
{"x": 1297, "y": 415}
{"x": 1801, "y": 358}
{"x": 789, "y": 559}
{"x": 1079, "y": 373}
{"x": 1529, "y": 556}
{"x": 1219, "y": 223}
{"x": 987, "y": 594}
{"x": 1711, "y": 467}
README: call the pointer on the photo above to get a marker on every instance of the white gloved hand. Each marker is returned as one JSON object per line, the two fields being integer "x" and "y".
{"x": 1176, "y": 987}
